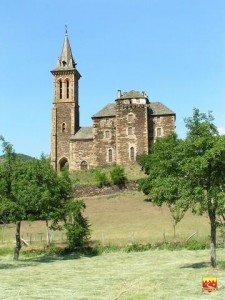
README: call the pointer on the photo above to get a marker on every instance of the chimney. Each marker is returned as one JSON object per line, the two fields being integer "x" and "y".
{"x": 119, "y": 94}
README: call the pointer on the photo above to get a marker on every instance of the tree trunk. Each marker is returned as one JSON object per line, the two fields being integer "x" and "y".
{"x": 212, "y": 217}
{"x": 18, "y": 241}
{"x": 48, "y": 236}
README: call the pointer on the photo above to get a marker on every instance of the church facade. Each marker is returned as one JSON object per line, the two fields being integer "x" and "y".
{"x": 121, "y": 131}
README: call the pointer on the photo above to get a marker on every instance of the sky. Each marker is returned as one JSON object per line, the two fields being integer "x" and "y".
{"x": 174, "y": 50}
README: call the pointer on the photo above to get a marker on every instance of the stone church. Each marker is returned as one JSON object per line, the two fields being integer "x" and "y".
{"x": 121, "y": 131}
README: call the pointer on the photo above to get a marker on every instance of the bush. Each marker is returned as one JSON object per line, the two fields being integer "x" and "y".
{"x": 101, "y": 178}
{"x": 77, "y": 227}
{"x": 118, "y": 176}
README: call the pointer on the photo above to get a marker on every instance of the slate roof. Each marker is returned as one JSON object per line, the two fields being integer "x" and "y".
{"x": 160, "y": 109}
{"x": 107, "y": 111}
{"x": 66, "y": 60}
{"x": 157, "y": 109}
{"x": 84, "y": 133}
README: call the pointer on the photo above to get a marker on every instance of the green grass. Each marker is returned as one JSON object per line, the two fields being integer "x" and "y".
{"x": 87, "y": 177}
{"x": 158, "y": 274}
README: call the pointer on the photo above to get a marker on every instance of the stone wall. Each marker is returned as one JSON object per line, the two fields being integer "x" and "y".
{"x": 93, "y": 190}
{"x": 81, "y": 150}
{"x": 131, "y": 131}
{"x": 104, "y": 132}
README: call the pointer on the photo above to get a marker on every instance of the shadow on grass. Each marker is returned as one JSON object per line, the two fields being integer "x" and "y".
{"x": 199, "y": 265}
{"x": 47, "y": 258}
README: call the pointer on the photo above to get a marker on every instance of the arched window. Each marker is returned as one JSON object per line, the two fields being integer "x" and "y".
{"x": 83, "y": 165}
{"x": 110, "y": 155}
{"x": 60, "y": 89}
{"x": 132, "y": 155}
{"x": 67, "y": 89}
{"x": 63, "y": 127}
{"x": 130, "y": 131}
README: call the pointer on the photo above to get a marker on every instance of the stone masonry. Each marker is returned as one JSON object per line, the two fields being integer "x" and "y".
{"x": 121, "y": 131}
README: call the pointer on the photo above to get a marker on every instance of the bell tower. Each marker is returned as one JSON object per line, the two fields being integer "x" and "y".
{"x": 65, "y": 111}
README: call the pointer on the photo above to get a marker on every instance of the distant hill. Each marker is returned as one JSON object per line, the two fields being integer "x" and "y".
{"x": 20, "y": 155}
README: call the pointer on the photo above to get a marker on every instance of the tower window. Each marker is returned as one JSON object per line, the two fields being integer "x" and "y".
{"x": 60, "y": 89}
{"x": 130, "y": 117}
{"x": 107, "y": 134}
{"x": 67, "y": 89}
{"x": 130, "y": 130}
{"x": 132, "y": 156}
{"x": 110, "y": 155}
{"x": 63, "y": 127}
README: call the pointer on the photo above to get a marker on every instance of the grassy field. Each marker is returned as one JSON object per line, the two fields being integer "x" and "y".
{"x": 123, "y": 218}
{"x": 120, "y": 219}
{"x": 172, "y": 275}
{"x": 126, "y": 217}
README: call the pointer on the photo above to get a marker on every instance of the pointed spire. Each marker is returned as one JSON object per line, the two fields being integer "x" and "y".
{"x": 66, "y": 60}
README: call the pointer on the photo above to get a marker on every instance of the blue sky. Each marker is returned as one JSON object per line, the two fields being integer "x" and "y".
{"x": 174, "y": 50}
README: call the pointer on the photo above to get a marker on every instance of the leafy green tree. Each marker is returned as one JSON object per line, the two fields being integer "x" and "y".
{"x": 190, "y": 171}
{"x": 32, "y": 190}
{"x": 204, "y": 168}
{"x": 163, "y": 185}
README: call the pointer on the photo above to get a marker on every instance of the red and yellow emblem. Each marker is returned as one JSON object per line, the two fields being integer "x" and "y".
{"x": 209, "y": 284}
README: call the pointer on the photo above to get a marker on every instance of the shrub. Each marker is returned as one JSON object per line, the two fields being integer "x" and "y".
{"x": 77, "y": 227}
{"x": 118, "y": 176}
{"x": 101, "y": 178}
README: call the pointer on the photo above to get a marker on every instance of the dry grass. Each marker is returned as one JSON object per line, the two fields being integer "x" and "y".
{"x": 113, "y": 276}
{"x": 125, "y": 217}
{"x": 120, "y": 219}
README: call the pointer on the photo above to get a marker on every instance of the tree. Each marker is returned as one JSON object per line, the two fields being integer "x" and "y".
{"x": 32, "y": 190}
{"x": 204, "y": 168}
{"x": 162, "y": 186}
{"x": 192, "y": 174}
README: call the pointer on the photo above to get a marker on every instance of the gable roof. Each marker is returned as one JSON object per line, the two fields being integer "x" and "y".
{"x": 107, "y": 111}
{"x": 160, "y": 109}
{"x": 84, "y": 133}
{"x": 157, "y": 108}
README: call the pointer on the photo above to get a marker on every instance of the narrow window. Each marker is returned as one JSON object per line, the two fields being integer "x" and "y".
{"x": 110, "y": 155}
{"x": 132, "y": 153}
{"x": 67, "y": 89}
{"x": 158, "y": 119}
{"x": 63, "y": 127}
{"x": 158, "y": 131}
{"x": 130, "y": 130}
{"x": 130, "y": 117}
{"x": 107, "y": 134}
{"x": 60, "y": 89}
